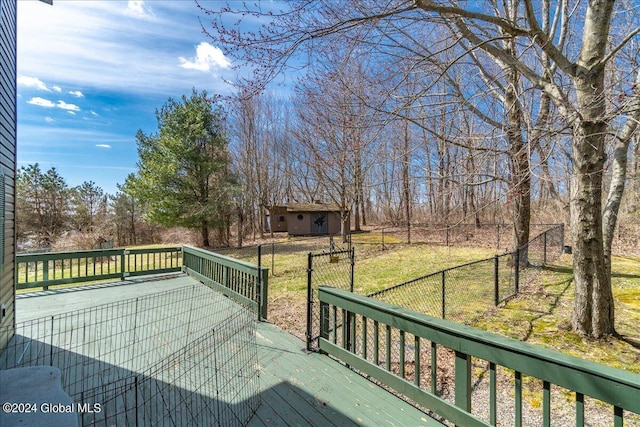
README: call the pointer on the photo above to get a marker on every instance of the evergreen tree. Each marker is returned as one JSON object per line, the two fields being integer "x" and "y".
{"x": 183, "y": 177}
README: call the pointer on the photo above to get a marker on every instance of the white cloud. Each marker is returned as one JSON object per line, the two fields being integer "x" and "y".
{"x": 207, "y": 56}
{"x": 69, "y": 107}
{"x": 93, "y": 113}
{"x": 76, "y": 93}
{"x": 32, "y": 82}
{"x": 57, "y": 88}
{"x": 41, "y": 102}
{"x": 103, "y": 146}
{"x": 49, "y": 119}
{"x": 73, "y": 113}
{"x": 138, "y": 9}
{"x": 94, "y": 44}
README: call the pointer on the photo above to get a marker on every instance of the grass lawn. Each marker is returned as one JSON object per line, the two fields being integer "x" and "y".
{"x": 541, "y": 312}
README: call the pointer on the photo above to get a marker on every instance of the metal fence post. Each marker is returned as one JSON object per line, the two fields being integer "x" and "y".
{"x": 447, "y": 234}
{"x": 383, "y": 246}
{"x": 353, "y": 263}
{"x": 544, "y": 250}
{"x": 516, "y": 272}
{"x": 309, "y": 301}
{"x": 496, "y": 281}
{"x": 273, "y": 252}
{"x": 259, "y": 256}
{"x": 443, "y": 295}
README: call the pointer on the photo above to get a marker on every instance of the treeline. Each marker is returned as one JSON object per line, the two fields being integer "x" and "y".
{"x": 47, "y": 209}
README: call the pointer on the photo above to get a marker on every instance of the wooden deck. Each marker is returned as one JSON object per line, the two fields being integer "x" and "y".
{"x": 296, "y": 388}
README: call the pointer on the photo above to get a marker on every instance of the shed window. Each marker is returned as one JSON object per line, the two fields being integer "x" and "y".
{"x": 300, "y": 217}
{"x": 281, "y": 219}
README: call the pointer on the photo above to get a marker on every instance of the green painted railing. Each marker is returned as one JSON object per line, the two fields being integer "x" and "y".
{"x": 243, "y": 282}
{"x": 41, "y": 270}
{"x": 404, "y": 350}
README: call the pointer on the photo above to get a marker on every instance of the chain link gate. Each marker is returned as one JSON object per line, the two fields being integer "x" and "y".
{"x": 333, "y": 268}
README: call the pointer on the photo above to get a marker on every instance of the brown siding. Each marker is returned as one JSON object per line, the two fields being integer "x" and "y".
{"x": 7, "y": 164}
{"x": 334, "y": 223}
{"x": 276, "y": 214}
{"x": 302, "y": 227}
{"x": 299, "y": 223}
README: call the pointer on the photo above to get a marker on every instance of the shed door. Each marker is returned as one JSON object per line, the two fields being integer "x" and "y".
{"x": 319, "y": 223}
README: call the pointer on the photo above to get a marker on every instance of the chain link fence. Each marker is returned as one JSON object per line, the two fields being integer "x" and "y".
{"x": 497, "y": 236}
{"x": 466, "y": 292}
{"x": 286, "y": 256}
{"x": 333, "y": 268}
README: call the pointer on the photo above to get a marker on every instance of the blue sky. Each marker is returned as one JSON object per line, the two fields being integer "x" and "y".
{"x": 91, "y": 73}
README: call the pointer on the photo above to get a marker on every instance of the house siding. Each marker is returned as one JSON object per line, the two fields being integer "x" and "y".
{"x": 7, "y": 166}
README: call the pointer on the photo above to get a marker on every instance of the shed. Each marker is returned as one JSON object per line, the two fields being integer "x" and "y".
{"x": 313, "y": 219}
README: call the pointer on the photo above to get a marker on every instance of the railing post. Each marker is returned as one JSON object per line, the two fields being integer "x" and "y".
{"x": 516, "y": 272}
{"x": 496, "y": 280}
{"x": 463, "y": 381}
{"x": 122, "y": 256}
{"x": 544, "y": 256}
{"x": 45, "y": 270}
{"x": 264, "y": 292}
{"x": 324, "y": 320}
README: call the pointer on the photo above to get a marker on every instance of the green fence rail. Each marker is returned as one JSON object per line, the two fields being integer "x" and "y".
{"x": 404, "y": 349}
{"x": 244, "y": 282}
{"x": 41, "y": 270}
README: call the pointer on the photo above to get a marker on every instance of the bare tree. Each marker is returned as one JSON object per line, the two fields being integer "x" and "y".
{"x": 335, "y": 129}
{"x": 575, "y": 85}
{"x": 263, "y": 158}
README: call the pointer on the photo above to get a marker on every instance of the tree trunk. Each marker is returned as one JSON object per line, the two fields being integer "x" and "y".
{"x": 204, "y": 234}
{"x": 593, "y": 309}
{"x": 406, "y": 190}
{"x": 359, "y": 207}
{"x": 619, "y": 174}
{"x": 520, "y": 186}
{"x": 635, "y": 176}
{"x": 345, "y": 224}
{"x": 240, "y": 226}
